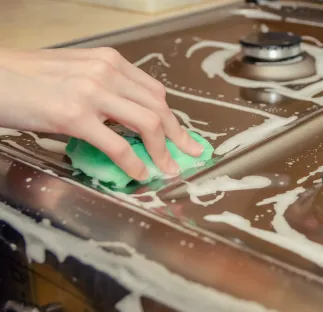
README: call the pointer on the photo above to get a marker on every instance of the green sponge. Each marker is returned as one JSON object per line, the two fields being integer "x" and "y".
{"x": 96, "y": 164}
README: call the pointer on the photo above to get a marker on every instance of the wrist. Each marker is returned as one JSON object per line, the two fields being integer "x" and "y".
{"x": 12, "y": 60}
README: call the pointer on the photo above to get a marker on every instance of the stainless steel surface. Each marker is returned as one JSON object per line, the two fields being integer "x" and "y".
{"x": 224, "y": 256}
{"x": 302, "y": 66}
{"x": 271, "y": 46}
{"x": 272, "y": 54}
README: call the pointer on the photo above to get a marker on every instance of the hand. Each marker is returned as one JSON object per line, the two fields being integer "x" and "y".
{"x": 73, "y": 92}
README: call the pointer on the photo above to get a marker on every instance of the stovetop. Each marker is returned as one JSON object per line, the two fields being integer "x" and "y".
{"x": 250, "y": 222}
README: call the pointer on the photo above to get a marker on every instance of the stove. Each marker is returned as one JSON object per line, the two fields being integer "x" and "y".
{"x": 242, "y": 233}
{"x": 272, "y": 56}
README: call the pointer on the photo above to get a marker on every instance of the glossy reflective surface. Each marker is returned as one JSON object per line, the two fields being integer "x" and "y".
{"x": 255, "y": 212}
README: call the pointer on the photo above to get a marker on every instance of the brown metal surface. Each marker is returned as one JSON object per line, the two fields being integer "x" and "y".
{"x": 238, "y": 263}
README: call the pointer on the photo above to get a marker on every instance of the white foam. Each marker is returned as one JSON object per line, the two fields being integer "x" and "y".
{"x": 260, "y": 14}
{"x": 188, "y": 123}
{"x": 210, "y": 43}
{"x": 214, "y": 65}
{"x": 314, "y": 40}
{"x": 138, "y": 274}
{"x": 195, "y": 199}
{"x": 228, "y": 218}
{"x": 7, "y": 131}
{"x": 17, "y": 146}
{"x": 223, "y": 184}
{"x": 151, "y": 56}
{"x": 142, "y": 276}
{"x": 219, "y": 103}
{"x": 303, "y": 22}
{"x": 45, "y": 143}
{"x": 285, "y": 237}
{"x": 127, "y": 248}
{"x": 311, "y": 174}
{"x": 132, "y": 202}
{"x": 278, "y": 5}
{"x": 257, "y": 14}
{"x": 264, "y": 28}
{"x": 30, "y": 152}
{"x": 253, "y": 135}
{"x": 49, "y": 144}
{"x": 130, "y": 303}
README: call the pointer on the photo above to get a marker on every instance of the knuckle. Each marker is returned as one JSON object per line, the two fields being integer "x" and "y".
{"x": 114, "y": 55}
{"x": 140, "y": 170}
{"x": 153, "y": 123}
{"x": 161, "y": 89}
{"x": 99, "y": 67}
{"x": 109, "y": 55}
{"x": 162, "y": 107}
{"x": 121, "y": 151}
{"x": 71, "y": 116}
{"x": 75, "y": 103}
{"x": 85, "y": 87}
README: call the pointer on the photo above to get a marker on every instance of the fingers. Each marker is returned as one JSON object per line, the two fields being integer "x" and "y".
{"x": 137, "y": 93}
{"x": 113, "y": 71}
{"x": 181, "y": 137}
{"x": 141, "y": 88}
{"x": 115, "y": 59}
{"x": 172, "y": 128}
{"x": 115, "y": 147}
{"x": 142, "y": 121}
{"x": 107, "y": 67}
{"x": 142, "y": 78}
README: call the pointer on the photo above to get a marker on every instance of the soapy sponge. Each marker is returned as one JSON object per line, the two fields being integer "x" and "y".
{"x": 96, "y": 164}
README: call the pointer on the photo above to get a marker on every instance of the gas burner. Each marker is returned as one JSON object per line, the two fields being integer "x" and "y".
{"x": 271, "y": 46}
{"x": 271, "y": 56}
{"x": 261, "y": 95}
{"x": 259, "y": 1}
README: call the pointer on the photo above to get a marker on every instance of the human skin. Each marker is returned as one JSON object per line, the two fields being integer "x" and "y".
{"x": 73, "y": 92}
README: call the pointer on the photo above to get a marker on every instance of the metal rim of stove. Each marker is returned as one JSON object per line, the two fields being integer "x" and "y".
{"x": 271, "y": 46}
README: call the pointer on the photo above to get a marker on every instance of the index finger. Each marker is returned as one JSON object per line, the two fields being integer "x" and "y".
{"x": 116, "y": 147}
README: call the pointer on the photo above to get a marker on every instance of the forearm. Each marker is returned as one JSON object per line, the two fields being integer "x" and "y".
{"x": 23, "y": 62}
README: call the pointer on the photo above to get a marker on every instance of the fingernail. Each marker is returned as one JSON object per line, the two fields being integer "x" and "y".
{"x": 173, "y": 167}
{"x": 196, "y": 148}
{"x": 144, "y": 175}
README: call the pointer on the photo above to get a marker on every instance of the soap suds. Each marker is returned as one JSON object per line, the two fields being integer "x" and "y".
{"x": 311, "y": 174}
{"x": 219, "y": 103}
{"x": 9, "y": 132}
{"x": 103, "y": 262}
{"x": 188, "y": 123}
{"x": 253, "y": 135}
{"x": 49, "y": 144}
{"x": 130, "y": 303}
{"x": 260, "y": 14}
{"x": 222, "y": 185}
{"x": 313, "y": 40}
{"x": 142, "y": 277}
{"x": 285, "y": 237}
{"x": 151, "y": 56}
{"x": 214, "y": 65}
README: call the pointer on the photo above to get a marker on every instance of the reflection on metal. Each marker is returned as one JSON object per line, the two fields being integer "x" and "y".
{"x": 176, "y": 234}
{"x": 262, "y": 96}
{"x": 271, "y": 46}
{"x": 300, "y": 67}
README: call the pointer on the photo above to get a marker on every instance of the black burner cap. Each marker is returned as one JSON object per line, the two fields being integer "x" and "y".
{"x": 271, "y": 40}
{"x": 258, "y": 1}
